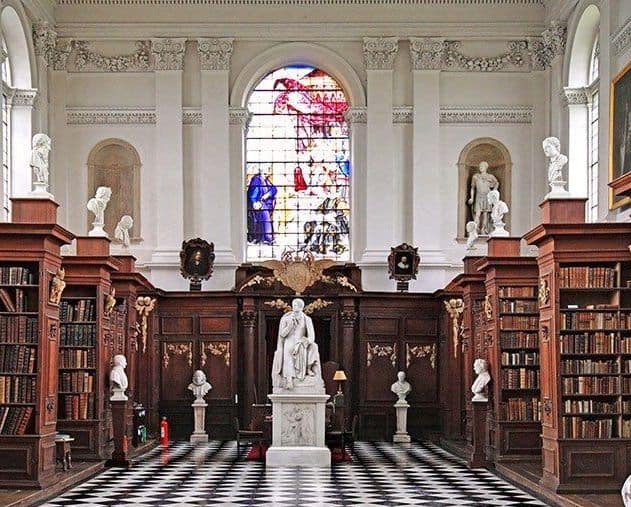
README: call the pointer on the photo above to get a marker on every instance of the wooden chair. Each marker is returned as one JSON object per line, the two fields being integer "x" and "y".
{"x": 351, "y": 436}
{"x": 247, "y": 437}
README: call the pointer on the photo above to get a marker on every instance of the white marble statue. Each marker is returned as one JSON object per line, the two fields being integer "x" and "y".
{"x": 556, "y": 162}
{"x": 498, "y": 209}
{"x": 97, "y": 206}
{"x": 481, "y": 368}
{"x": 39, "y": 163}
{"x": 199, "y": 386}
{"x": 481, "y": 184}
{"x": 472, "y": 234}
{"x": 297, "y": 359}
{"x": 123, "y": 227}
{"x": 401, "y": 387}
{"x": 118, "y": 379}
{"x": 626, "y": 492}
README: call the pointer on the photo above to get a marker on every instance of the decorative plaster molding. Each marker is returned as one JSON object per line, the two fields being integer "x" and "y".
{"x": 380, "y": 52}
{"x": 426, "y": 53}
{"x": 44, "y": 41}
{"x": 168, "y": 54}
{"x": 239, "y": 116}
{"x": 356, "y": 115}
{"x": 214, "y": 54}
{"x": 191, "y": 116}
{"x": 63, "y": 48}
{"x": 80, "y": 116}
{"x": 87, "y": 60}
{"x": 3, "y": 55}
{"x": 271, "y": 3}
{"x": 486, "y": 114}
{"x": 515, "y": 56}
{"x": 24, "y": 97}
{"x": 543, "y": 50}
{"x": 575, "y": 96}
{"x": 402, "y": 114}
{"x": 621, "y": 40}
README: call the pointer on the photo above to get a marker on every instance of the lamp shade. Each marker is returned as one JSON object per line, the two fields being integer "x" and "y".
{"x": 339, "y": 375}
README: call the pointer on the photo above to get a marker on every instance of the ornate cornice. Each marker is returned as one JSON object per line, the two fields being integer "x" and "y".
{"x": 575, "y": 96}
{"x": 191, "y": 116}
{"x": 168, "y": 54}
{"x": 239, "y": 116}
{"x": 514, "y": 56}
{"x": 356, "y": 115}
{"x": 380, "y": 52}
{"x": 543, "y": 50}
{"x": 426, "y": 53}
{"x": 214, "y": 54}
{"x": 24, "y": 97}
{"x": 88, "y": 60}
{"x": 402, "y": 114}
{"x": 80, "y": 116}
{"x": 271, "y": 3}
{"x": 621, "y": 40}
{"x": 482, "y": 114}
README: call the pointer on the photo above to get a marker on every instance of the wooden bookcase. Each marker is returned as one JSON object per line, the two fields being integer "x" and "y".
{"x": 511, "y": 310}
{"x": 29, "y": 259}
{"x": 585, "y": 339}
{"x": 85, "y": 350}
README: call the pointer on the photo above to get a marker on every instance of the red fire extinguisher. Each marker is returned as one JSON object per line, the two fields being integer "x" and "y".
{"x": 164, "y": 432}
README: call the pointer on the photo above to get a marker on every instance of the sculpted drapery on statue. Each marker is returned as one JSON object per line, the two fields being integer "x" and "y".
{"x": 297, "y": 358}
{"x": 481, "y": 184}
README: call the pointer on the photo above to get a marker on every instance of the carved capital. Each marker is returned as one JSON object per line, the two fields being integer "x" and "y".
{"x": 426, "y": 53}
{"x": 214, "y": 54}
{"x": 24, "y": 97}
{"x": 355, "y": 115}
{"x": 248, "y": 317}
{"x": 543, "y": 50}
{"x": 575, "y": 96}
{"x": 380, "y": 52}
{"x": 168, "y": 54}
{"x": 239, "y": 116}
{"x": 348, "y": 317}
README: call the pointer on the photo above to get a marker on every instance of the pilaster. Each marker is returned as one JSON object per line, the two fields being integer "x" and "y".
{"x": 356, "y": 120}
{"x": 23, "y": 104}
{"x": 238, "y": 120}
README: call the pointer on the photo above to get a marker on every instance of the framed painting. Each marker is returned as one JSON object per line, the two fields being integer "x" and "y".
{"x": 620, "y": 139}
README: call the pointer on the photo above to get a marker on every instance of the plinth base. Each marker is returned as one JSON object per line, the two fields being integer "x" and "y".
{"x": 199, "y": 438}
{"x": 298, "y": 457}
{"x": 401, "y": 438}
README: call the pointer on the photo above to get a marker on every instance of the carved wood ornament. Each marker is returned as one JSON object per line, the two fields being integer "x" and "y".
{"x": 144, "y": 306}
{"x": 544, "y": 291}
{"x": 488, "y": 307}
{"x": 57, "y": 286}
{"x": 389, "y": 351}
{"x": 298, "y": 271}
{"x": 454, "y": 308}
{"x": 318, "y": 304}
{"x": 218, "y": 349}
{"x": 176, "y": 349}
{"x": 420, "y": 351}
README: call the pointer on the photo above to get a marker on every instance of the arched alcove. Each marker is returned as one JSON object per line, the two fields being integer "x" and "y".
{"x": 19, "y": 48}
{"x": 116, "y": 164}
{"x": 498, "y": 158}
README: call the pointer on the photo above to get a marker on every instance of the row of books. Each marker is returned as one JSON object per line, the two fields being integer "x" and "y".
{"x": 590, "y": 320}
{"x": 17, "y": 275}
{"x": 577, "y": 427}
{"x": 18, "y": 329}
{"x": 78, "y": 310}
{"x": 590, "y": 385}
{"x": 588, "y": 366}
{"x": 77, "y": 358}
{"x": 625, "y": 345}
{"x": 521, "y": 409}
{"x": 76, "y": 406}
{"x": 14, "y": 420}
{"x": 519, "y": 339}
{"x": 522, "y": 378}
{"x": 18, "y": 359}
{"x": 520, "y": 358}
{"x": 626, "y": 428}
{"x": 518, "y": 306}
{"x": 17, "y": 389}
{"x": 626, "y": 385}
{"x": 590, "y": 407}
{"x": 517, "y": 292}
{"x": 78, "y": 334}
{"x": 519, "y": 322}
{"x": 586, "y": 277}
{"x": 17, "y": 304}
{"x": 626, "y": 407}
{"x": 76, "y": 381}
{"x": 590, "y": 343}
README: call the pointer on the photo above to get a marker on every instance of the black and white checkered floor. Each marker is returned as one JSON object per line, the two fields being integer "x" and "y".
{"x": 213, "y": 474}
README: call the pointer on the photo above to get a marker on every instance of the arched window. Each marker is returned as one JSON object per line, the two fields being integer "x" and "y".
{"x": 592, "y": 173}
{"x": 6, "y": 133}
{"x": 298, "y": 173}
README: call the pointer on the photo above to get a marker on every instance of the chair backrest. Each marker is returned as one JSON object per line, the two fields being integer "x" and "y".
{"x": 258, "y": 416}
{"x": 328, "y": 370}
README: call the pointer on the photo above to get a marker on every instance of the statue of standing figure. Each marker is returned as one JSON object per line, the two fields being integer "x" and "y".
{"x": 39, "y": 162}
{"x": 97, "y": 206}
{"x": 297, "y": 358}
{"x": 481, "y": 184}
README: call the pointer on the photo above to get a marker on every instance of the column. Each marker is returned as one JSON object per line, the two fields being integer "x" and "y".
{"x": 212, "y": 200}
{"x": 22, "y": 108}
{"x": 3, "y": 57}
{"x": 248, "y": 320}
{"x": 238, "y": 119}
{"x": 350, "y": 386}
{"x": 44, "y": 41}
{"x": 577, "y": 101}
{"x": 604, "y": 70}
{"x": 381, "y": 195}
{"x": 356, "y": 119}
{"x": 168, "y": 56}
{"x": 427, "y": 177}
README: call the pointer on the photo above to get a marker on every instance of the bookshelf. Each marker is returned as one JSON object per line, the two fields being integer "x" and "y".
{"x": 512, "y": 350}
{"x": 29, "y": 259}
{"x": 85, "y": 350}
{"x": 585, "y": 270}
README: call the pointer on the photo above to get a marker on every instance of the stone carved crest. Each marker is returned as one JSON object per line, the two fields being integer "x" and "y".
{"x": 298, "y": 428}
{"x": 454, "y": 308}
{"x": 298, "y": 271}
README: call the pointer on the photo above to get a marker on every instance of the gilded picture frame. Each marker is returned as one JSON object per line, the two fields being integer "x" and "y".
{"x": 619, "y": 132}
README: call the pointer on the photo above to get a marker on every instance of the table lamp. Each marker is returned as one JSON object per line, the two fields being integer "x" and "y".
{"x": 340, "y": 376}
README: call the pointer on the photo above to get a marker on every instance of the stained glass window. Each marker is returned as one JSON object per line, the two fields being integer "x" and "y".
{"x": 298, "y": 172}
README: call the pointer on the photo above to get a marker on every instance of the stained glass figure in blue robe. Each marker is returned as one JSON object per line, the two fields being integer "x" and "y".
{"x": 261, "y": 201}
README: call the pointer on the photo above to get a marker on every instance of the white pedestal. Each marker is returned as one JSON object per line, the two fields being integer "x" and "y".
{"x": 199, "y": 414}
{"x": 298, "y": 431}
{"x": 557, "y": 191}
{"x": 40, "y": 191}
{"x": 98, "y": 231}
{"x": 401, "y": 436}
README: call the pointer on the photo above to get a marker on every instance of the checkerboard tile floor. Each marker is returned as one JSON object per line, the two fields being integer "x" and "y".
{"x": 214, "y": 474}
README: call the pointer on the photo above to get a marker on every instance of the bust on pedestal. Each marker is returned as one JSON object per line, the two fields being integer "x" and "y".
{"x": 401, "y": 388}
{"x": 298, "y": 399}
{"x": 479, "y": 430}
{"x": 481, "y": 368}
{"x": 200, "y": 387}
{"x": 556, "y": 162}
{"x": 118, "y": 402}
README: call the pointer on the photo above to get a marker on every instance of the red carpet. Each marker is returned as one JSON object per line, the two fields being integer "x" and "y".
{"x": 257, "y": 453}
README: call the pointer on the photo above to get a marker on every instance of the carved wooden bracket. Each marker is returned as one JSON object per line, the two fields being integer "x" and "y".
{"x": 488, "y": 307}
{"x": 381, "y": 351}
{"x": 454, "y": 308}
{"x": 420, "y": 351}
{"x": 248, "y": 317}
{"x": 176, "y": 349}
{"x": 544, "y": 291}
{"x": 219, "y": 349}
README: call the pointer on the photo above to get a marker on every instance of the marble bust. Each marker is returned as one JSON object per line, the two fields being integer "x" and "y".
{"x": 97, "y": 206}
{"x": 118, "y": 379}
{"x": 123, "y": 227}
{"x": 401, "y": 387}
{"x": 556, "y": 162}
{"x": 498, "y": 209}
{"x": 297, "y": 358}
{"x": 626, "y": 492}
{"x": 199, "y": 386}
{"x": 481, "y": 368}
{"x": 472, "y": 234}
{"x": 39, "y": 162}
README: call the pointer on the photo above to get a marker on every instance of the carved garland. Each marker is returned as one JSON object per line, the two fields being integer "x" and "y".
{"x": 318, "y": 304}
{"x": 144, "y": 306}
{"x": 87, "y": 59}
{"x": 455, "y": 307}
{"x": 514, "y": 56}
{"x": 373, "y": 351}
{"x": 218, "y": 349}
{"x": 176, "y": 349}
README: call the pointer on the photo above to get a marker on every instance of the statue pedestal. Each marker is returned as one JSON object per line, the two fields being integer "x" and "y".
{"x": 401, "y": 436}
{"x": 199, "y": 415}
{"x": 477, "y": 459}
{"x": 120, "y": 455}
{"x": 298, "y": 431}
